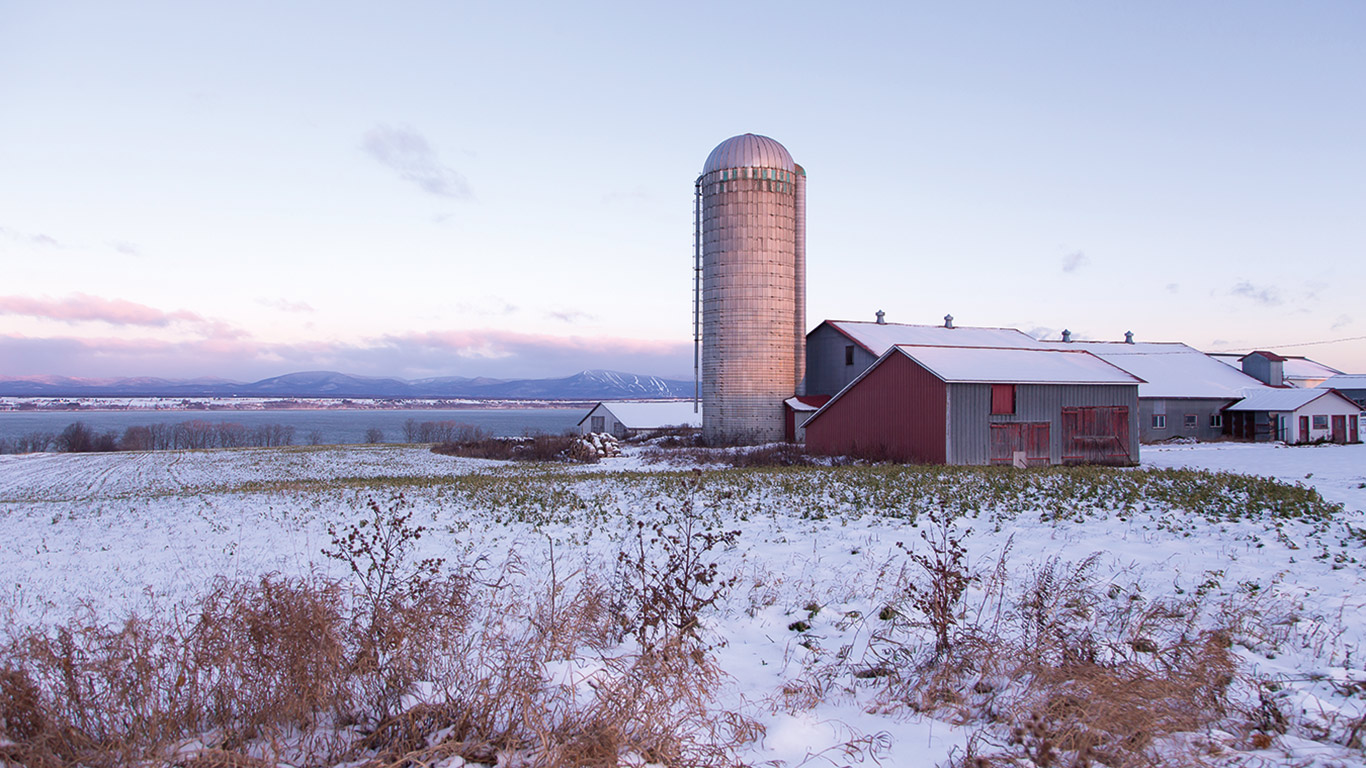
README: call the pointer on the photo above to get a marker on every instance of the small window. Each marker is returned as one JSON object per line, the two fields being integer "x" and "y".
{"x": 1159, "y": 421}
{"x": 599, "y": 423}
{"x": 1216, "y": 420}
{"x": 1002, "y": 399}
{"x": 849, "y": 355}
{"x": 1320, "y": 422}
{"x": 1192, "y": 421}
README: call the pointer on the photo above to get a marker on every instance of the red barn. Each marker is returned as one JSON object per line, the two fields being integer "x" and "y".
{"x": 977, "y": 406}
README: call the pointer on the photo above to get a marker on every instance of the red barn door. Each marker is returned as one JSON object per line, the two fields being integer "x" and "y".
{"x": 1029, "y": 438}
{"x": 1096, "y": 435}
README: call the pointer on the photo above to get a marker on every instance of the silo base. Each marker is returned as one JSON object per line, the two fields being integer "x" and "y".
{"x": 750, "y": 421}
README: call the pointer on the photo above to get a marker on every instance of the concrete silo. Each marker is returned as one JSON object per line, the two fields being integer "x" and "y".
{"x": 750, "y": 287}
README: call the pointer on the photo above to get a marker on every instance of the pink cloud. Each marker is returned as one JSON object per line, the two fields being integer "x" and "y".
{"x": 80, "y": 307}
{"x": 233, "y": 354}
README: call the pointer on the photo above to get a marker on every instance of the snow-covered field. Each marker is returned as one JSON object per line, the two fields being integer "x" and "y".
{"x": 114, "y": 533}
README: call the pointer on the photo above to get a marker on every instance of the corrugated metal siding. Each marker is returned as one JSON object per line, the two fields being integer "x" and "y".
{"x": 826, "y": 373}
{"x": 1176, "y": 410}
{"x": 897, "y": 411}
{"x": 970, "y": 415}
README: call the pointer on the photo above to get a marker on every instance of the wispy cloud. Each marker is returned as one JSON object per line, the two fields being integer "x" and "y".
{"x": 285, "y": 305}
{"x": 80, "y": 307}
{"x": 1074, "y": 261}
{"x": 28, "y": 237}
{"x": 568, "y": 315}
{"x": 1267, "y": 296}
{"x": 408, "y": 152}
{"x": 124, "y": 247}
{"x": 1341, "y": 322}
{"x": 1173, "y": 287}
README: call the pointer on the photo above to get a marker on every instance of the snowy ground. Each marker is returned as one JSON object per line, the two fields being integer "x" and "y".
{"x": 112, "y": 532}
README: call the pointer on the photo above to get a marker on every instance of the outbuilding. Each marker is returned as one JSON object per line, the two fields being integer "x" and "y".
{"x": 625, "y": 419}
{"x": 1295, "y": 416}
{"x": 797, "y": 411}
{"x": 978, "y": 406}
{"x": 1279, "y": 370}
{"x": 1184, "y": 391}
{"x": 1353, "y": 385}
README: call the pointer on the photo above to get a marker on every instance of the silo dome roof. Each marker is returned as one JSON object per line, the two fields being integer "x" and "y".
{"x": 749, "y": 151}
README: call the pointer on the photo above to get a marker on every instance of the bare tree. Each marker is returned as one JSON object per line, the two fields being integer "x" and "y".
{"x": 136, "y": 439}
{"x": 375, "y": 435}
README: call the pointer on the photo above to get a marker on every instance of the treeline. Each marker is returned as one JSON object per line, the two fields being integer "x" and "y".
{"x": 198, "y": 434}
{"x": 415, "y": 431}
{"x": 80, "y": 438}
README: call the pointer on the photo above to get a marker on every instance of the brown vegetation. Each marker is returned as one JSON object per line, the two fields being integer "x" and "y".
{"x": 407, "y": 663}
{"x": 534, "y": 448}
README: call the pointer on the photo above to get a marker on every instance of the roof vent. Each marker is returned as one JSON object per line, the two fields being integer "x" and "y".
{"x": 881, "y": 317}
{"x": 948, "y": 321}
{"x": 1066, "y": 335}
{"x": 1128, "y": 337}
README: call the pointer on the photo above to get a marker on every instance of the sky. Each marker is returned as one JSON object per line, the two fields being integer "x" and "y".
{"x": 418, "y": 189}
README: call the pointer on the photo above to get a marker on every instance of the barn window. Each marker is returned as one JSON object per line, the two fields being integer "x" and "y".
{"x": 849, "y": 355}
{"x": 1159, "y": 421}
{"x": 1192, "y": 421}
{"x": 1321, "y": 422}
{"x": 1216, "y": 420}
{"x": 1002, "y": 398}
{"x": 599, "y": 423}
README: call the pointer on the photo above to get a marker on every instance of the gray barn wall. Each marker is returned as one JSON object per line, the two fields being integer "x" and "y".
{"x": 970, "y": 416}
{"x": 1177, "y": 409}
{"x": 826, "y": 373}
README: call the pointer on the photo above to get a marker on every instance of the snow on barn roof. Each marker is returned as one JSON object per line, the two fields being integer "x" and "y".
{"x": 1345, "y": 381}
{"x": 1271, "y": 399}
{"x": 990, "y": 365}
{"x": 651, "y": 415}
{"x": 1170, "y": 369}
{"x": 1304, "y": 368}
{"x": 1293, "y": 368}
{"x": 880, "y": 337}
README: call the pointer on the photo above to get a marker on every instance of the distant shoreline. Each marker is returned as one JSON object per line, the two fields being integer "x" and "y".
{"x": 231, "y": 404}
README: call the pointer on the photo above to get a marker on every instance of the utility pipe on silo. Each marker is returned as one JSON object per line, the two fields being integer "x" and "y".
{"x": 697, "y": 296}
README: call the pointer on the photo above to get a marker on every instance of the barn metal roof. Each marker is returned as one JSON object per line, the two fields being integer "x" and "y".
{"x": 749, "y": 150}
{"x": 984, "y": 365}
{"x": 1170, "y": 369}
{"x": 880, "y": 337}
{"x": 651, "y": 415}
{"x": 1271, "y": 399}
{"x": 1304, "y": 368}
{"x": 1345, "y": 381}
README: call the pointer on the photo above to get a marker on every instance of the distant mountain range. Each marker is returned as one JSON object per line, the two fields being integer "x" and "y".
{"x": 586, "y": 385}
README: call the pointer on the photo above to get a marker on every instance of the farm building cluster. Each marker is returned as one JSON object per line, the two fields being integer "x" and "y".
{"x": 940, "y": 394}
{"x": 949, "y": 394}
